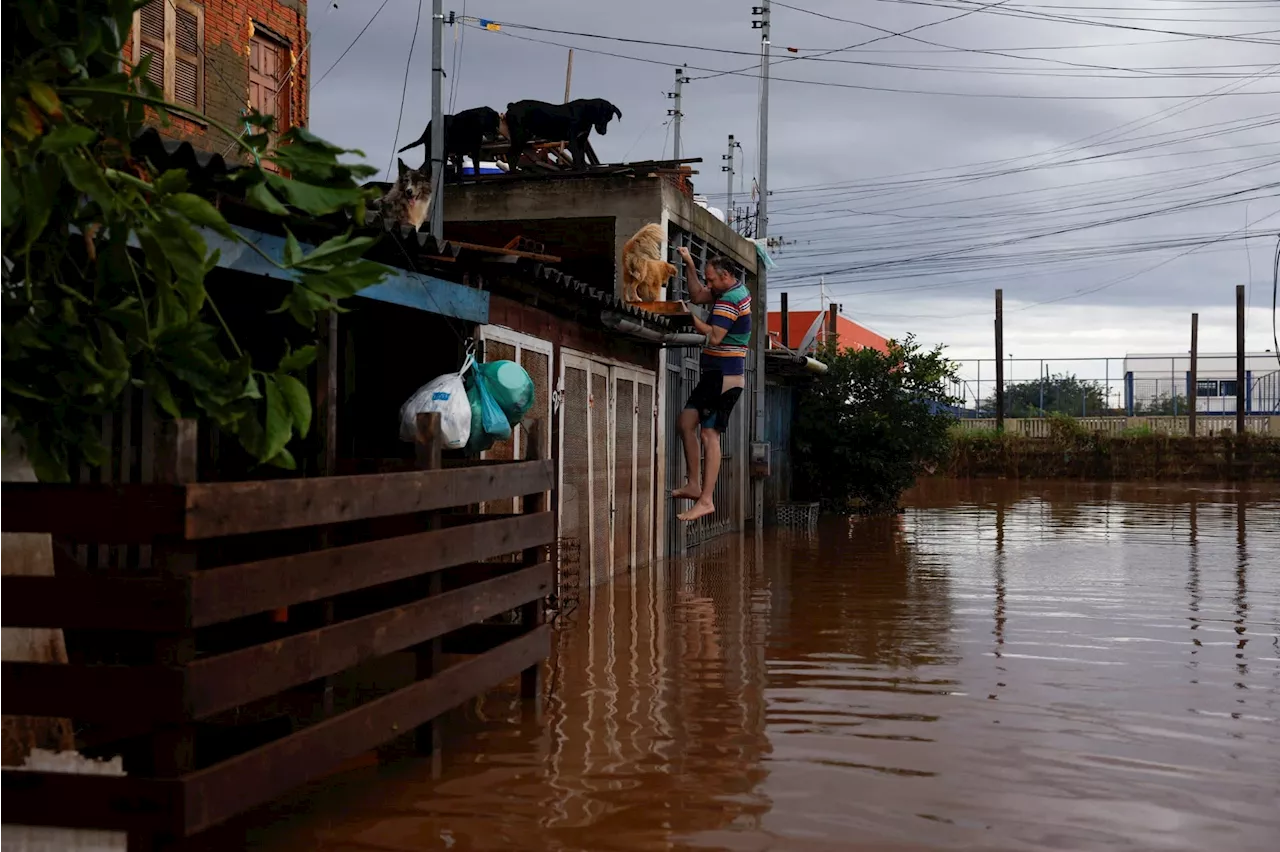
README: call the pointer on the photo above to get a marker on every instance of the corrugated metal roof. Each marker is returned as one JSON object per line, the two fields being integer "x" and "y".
{"x": 408, "y": 249}
{"x": 166, "y": 154}
{"x": 585, "y": 291}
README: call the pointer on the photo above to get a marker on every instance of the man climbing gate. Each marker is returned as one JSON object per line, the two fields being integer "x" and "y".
{"x": 723, "y": 367}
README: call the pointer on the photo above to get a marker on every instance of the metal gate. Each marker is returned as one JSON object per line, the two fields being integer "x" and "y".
{"x": 682, "y": 374}
{"x": 503, "y": 344}
{"x": 606, "y": 465}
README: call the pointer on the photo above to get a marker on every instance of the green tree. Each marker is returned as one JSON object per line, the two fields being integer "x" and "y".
{"x": 1062, "y": 393}
{"x": 865, "y": 428}
{"x": 105, "y": 257}
{"x": 1161, "y": 405}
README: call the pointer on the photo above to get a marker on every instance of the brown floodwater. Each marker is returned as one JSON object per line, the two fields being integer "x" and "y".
{"x": 1005, "y": 666}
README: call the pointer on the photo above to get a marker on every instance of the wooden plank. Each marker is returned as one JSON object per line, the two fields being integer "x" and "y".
{"x": 428, "y": 450}
{"x": 221, "y": 594}
{"x": 95, "y": 603}
{"x": 117, "y": 802}
{"x": 235, "y": 508}
{"x": 215, "y": 794}
{"x": 544, "y": 258}
{"x": 93, "y": 693}
{"x": 114, "y": 514}
{"x": 237, "y": 678}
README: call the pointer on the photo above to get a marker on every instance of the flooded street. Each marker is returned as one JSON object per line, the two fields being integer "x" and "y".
{"x": 1005, "y": 666}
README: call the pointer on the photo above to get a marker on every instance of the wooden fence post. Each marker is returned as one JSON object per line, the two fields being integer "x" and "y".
{"x": 784, "y": 335}
{"x": 532, "y": 614}
{"x": 428, "y": 447}
{"x": 1240, "y": 372}
{"x": 170, "y": 749}
{"x": 1192, "y": 390}
{"x": 999, "y": 360}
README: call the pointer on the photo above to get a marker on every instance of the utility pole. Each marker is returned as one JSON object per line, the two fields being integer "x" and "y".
{"x": 568, "y": 76}
{"x": 1192, "y": 378}
{"x": 1240, "y": 371}
{"x": 761, "y": 297}
{"x": 999, "y": 360}
{"x": 437, "y": 123}
{"x": 677, "y": 113}
{"x": 728, "y": 203}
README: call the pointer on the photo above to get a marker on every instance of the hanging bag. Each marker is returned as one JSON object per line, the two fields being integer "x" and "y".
{"x": 448, "y": 395}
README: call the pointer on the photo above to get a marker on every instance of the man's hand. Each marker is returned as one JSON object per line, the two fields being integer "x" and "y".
{"x": 684, "y": 254}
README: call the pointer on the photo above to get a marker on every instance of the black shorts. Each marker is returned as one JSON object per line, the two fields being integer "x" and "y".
{"x": 713, "y": 405}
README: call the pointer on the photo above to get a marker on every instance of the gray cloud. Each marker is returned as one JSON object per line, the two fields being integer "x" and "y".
{"x": 840, "y": 154}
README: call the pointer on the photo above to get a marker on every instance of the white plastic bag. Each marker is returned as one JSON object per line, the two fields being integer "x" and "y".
{"x": 447, "y": 395}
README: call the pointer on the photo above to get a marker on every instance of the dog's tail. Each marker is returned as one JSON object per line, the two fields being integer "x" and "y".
{"x": 635, "y": 260}
{"x": 422, "y": 140}
{"x": 617, "y": 112}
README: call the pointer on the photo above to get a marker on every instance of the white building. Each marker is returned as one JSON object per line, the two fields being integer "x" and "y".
{"x": 1163, "y": 380}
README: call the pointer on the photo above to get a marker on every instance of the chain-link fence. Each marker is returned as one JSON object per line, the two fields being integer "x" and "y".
{"x": 1134, "y": 385}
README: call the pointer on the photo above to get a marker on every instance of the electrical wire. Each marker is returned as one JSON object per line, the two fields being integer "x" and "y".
{"x": 404, "y": 91}
{"x": 344, "y": 53}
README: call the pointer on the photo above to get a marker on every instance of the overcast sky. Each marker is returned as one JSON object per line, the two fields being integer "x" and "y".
{"x": 1108, "y": 190}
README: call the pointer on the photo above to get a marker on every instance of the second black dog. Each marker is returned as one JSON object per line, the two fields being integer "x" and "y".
{"x": 571, "y": 122}
{"x": 464, "y": 134}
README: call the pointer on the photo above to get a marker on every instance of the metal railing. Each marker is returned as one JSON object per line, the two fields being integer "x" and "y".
{"x": 1097, "y": 387}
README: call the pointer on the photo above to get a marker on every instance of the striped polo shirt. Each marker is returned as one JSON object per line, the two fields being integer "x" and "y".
{"x": 732, "y": 312}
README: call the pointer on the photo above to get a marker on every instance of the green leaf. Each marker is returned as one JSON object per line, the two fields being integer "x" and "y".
{"x": 296, "y": 360}
{"x": 87, "y": 177}
{"x": 22, "y": 390}
{"x": 279, "y": 427}
{"x": 45, "y": 98}
{"x": 299, "y": 402}
{"x": 162, "y": 393}
{"x": 309, "y": 198}
{"x": 336, "y": 251}
{"x": 251, "y": 390}
{"x": 39, "y": 188}
{"x": 174, "y": 180}
{"x": 67, "y": 137}
{"x": 292, "y": 250}
{"x": 260, "y": 196}
{"x": 283, "y": 459}
{"x": 9, "y": 197}
{"x": 201, "y": 212}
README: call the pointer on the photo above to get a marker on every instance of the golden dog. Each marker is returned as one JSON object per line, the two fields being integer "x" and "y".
{"x": 643, "y": 269}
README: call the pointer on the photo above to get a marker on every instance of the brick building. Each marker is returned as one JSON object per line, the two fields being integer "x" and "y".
{"x": 223, "y": 57}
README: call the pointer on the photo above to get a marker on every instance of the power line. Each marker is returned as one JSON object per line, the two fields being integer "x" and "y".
{"x": 344, "y": 53}
{"x": 404, "y": 90}
{"x": 859, "y": 87}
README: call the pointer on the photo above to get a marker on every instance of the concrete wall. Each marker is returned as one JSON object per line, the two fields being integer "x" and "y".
{"x": 632, "y": 202}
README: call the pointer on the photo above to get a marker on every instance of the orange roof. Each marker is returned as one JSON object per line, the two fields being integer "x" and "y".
{"x": 848, "y": 333}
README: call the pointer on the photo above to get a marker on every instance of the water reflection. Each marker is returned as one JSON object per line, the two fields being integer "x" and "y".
{"x": 1005, "y": 666}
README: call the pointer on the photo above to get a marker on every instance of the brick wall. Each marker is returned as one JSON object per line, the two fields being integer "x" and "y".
{"x": 228, "y": 26}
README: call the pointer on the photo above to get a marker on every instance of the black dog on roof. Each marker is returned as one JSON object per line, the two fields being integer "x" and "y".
{"x": 464, "y": 134}
{"x": 571, "y": 122}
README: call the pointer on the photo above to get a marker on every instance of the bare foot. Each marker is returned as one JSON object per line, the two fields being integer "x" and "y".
{"x": 686, "y": 492}
{"x": 700, "y": 509}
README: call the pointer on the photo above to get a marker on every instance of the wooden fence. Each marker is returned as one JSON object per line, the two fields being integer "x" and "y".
{"x": 1039, "y": 427}
{"x": 216, "y": 664}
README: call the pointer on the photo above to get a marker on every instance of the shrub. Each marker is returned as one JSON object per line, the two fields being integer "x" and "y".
{"x": 867, "y": 427}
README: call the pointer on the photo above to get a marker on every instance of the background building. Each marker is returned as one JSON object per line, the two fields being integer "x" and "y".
{"x": 222, "y": 58}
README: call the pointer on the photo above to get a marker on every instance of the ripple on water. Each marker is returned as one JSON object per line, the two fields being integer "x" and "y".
{"x": 1005, "y": 666}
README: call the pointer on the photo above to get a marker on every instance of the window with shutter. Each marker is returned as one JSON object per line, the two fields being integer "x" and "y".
{"x": 186, "y": 56}
{"x": 150, "y": 40}
{"x": 171, "y": 33}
